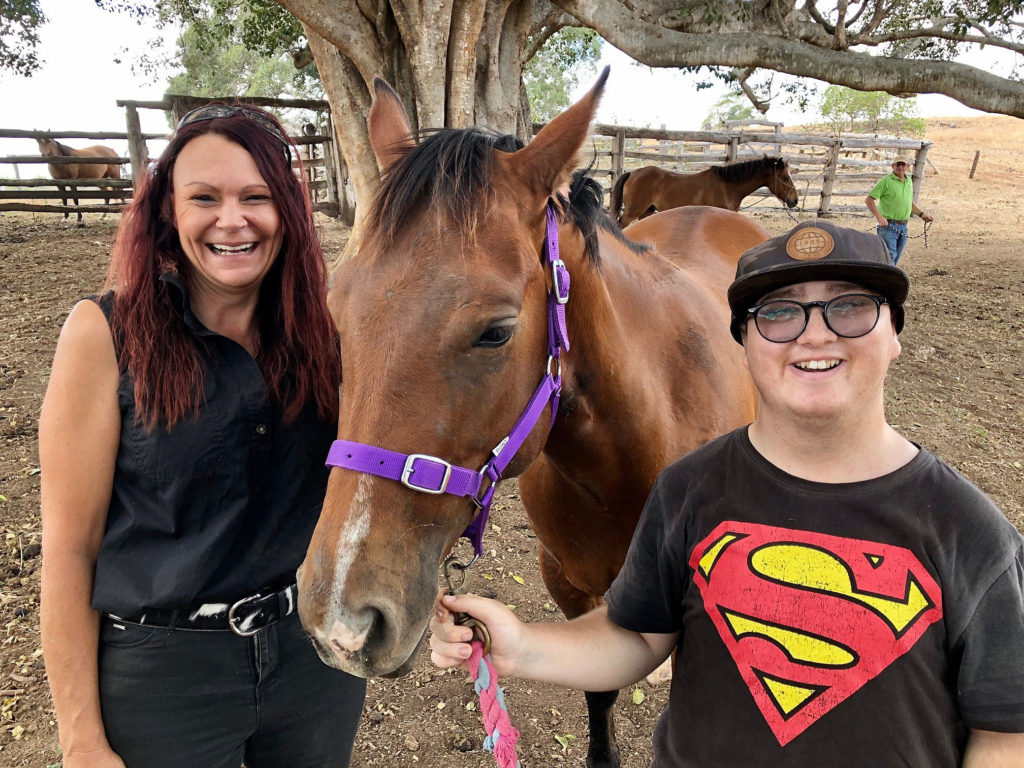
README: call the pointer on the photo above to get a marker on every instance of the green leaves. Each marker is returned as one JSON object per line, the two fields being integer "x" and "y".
{"x": 20, "y": 21}
{"x": 556, "y": 68}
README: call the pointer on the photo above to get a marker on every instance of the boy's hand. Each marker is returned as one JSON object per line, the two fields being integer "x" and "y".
{"x": 449, "y": 642}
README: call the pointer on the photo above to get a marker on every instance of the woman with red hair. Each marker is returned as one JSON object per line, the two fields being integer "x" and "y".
{"x": 182, "y": 443}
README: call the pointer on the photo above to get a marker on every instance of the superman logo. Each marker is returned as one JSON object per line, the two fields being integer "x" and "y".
{"x": 807, "y": 618}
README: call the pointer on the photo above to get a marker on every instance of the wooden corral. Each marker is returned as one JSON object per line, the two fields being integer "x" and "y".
{"x": 326, "y": 171}
{"x": 827, "y": 170}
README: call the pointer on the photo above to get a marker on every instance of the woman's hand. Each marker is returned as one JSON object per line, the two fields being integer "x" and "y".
{"x": 450, "y": 642}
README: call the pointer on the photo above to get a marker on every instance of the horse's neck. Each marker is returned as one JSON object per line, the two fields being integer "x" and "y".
{"x": 603, "y": 320}
{"x": 740, "y": 189}
{"x": 62, "y": 150}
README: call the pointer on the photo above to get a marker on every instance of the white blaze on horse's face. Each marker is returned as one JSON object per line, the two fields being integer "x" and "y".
{"x": 227, "y": 221}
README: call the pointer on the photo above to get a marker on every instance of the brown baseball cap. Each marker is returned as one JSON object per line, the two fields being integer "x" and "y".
{"x": 816, "y": 250}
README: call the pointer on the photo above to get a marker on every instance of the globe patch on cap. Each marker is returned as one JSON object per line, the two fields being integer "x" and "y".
{"x": 809, "y": 244}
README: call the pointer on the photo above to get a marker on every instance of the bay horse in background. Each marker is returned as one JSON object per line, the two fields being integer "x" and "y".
{"x": 650, "y": 189}
{"x": 443, "y": 318}
{"x": 53, "y": 148}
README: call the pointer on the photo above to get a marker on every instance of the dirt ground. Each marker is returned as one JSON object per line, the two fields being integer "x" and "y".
{"x": 955, "y": 390}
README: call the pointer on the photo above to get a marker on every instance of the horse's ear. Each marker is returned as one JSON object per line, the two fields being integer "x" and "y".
{"x": 547, "y": 162}
{"x": 388, "y": 126}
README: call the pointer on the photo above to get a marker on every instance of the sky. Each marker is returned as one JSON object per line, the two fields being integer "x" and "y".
{"x": 80, "y": 83}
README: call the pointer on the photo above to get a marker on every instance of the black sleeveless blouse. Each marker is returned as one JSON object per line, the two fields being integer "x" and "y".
{"x": 220, "y": 506}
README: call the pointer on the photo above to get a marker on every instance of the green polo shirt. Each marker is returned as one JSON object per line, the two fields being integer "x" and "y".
{"x": 895, "y": 198}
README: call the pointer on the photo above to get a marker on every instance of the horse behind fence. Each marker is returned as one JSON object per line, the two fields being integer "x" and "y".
{"x": 59, "y": 171}
{"x": 649, "y": 189}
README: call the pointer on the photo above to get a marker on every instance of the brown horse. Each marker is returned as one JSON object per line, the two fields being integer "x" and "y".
{"x": 53, "y": 148}
{"x": 649, "y": 189}
{"x": 444, "y": 332}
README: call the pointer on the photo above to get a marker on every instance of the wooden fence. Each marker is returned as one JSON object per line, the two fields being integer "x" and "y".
{"x": 46, "y": 191}
{"x": 326, "y": 171}
{"x": 827, "y": 170}
{"x": 832, "y": 174}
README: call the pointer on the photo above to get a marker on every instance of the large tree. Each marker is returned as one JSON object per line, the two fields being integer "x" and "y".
{"x": 460, "y": 62}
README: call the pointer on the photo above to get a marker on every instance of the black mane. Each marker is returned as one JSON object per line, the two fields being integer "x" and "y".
{"x": 740, "y": 172}
{"x": 450, "y": 169}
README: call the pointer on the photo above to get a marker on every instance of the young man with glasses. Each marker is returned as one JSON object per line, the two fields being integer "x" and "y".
{"x": 835, "y": 595}
{"x": 891, "y": 202}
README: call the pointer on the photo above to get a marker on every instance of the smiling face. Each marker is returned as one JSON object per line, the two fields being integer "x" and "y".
{"x": 228, "y": 224}
{"x": 900, "y": 169}
{"x": 821, "y": 375}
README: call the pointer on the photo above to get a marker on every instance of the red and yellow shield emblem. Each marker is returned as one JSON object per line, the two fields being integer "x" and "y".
{"x": 810, "y": 618}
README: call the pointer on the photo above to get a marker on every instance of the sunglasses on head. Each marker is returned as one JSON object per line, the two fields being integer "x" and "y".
{"x": 216, "y": 111}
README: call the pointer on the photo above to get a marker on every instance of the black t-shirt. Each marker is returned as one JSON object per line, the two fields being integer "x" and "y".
{"x": 826, "y": 625}
{"x": 221, "y": 505}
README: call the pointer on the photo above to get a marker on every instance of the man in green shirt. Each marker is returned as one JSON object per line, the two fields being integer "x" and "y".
{"x": 891, "y": 202}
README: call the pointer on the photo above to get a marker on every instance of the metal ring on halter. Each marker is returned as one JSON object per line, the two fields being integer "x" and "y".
{"x": 558, "y": 360}
{"x": 464, "y": 619}
{"x": 450, "y": 564}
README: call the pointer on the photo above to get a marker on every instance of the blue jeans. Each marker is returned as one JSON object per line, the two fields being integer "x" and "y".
{"x": 193, "y": 699}
{"x": 895, "y": 238}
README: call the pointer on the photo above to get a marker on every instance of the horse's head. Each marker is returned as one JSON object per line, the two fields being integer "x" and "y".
{"x": 48, "y": 147}
{"x": 443, "y": 323}
{"x": 780, "y": 183}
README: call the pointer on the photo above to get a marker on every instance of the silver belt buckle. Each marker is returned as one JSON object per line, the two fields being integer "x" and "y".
{"x": 233, "y": 619}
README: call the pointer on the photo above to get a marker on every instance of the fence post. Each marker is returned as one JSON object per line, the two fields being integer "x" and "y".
{"x": 734, "y": 148}
{"x": 919, "y": 160}
{"x": 136, "y": 144}
{"x": 831, "y": 167}
{"x": 618, "y": 154}
{"x": 974, "y": 165}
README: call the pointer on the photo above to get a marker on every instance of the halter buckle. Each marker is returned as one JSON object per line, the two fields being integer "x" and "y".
{"x": 408, "y": 470}
{"x": 556, "y": 286}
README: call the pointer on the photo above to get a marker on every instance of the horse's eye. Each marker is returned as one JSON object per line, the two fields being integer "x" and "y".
{"x": 495, "y": 336}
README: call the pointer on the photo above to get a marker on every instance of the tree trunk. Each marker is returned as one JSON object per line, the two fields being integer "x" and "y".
{"x": 455, "y": 63}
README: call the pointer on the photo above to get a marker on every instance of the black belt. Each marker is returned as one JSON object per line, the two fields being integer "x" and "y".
{"x": 897, "y": 221}
{"x": 244, "y": 617}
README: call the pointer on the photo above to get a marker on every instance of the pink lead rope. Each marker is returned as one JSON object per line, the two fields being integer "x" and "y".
{"x": 501, "y": 735}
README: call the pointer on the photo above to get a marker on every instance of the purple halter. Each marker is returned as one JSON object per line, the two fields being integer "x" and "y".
{"x": 429, "y": 474}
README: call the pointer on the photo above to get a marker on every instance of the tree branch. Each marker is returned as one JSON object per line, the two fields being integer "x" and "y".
{"x": 813, "y": 12}
{"x": 657, "y": 46}
{"x": 346, "y": 29}
{"x": 741, "y": 78}
{"x": 923, "y": 33}
{"x": 840, "y": 43}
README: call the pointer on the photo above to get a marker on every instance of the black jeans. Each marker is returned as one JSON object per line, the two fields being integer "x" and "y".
{"x": 187, "y": 699}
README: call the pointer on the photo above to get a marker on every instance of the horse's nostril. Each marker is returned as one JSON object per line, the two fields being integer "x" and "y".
{"x": 345, "y": 640}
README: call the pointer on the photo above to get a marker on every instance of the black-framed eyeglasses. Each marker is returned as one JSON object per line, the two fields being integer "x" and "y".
{"x": 215, "y": 111}
{"x": 851, "y": 315}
